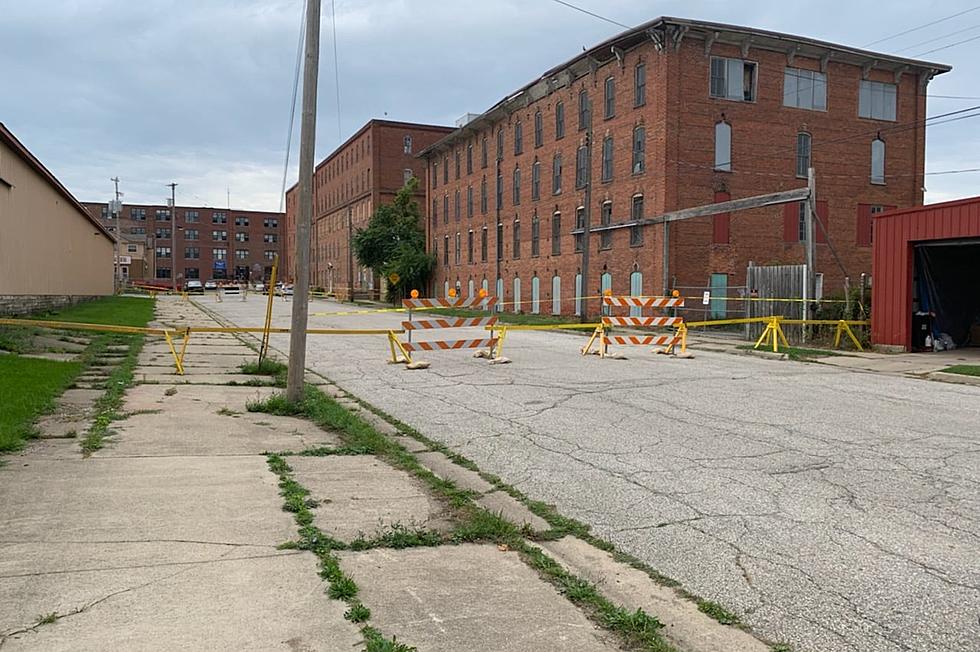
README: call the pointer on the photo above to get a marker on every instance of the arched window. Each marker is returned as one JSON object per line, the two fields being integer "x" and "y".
{"x": 517, "y": 294}
{"x": 535, "y": 295}
{"x": 500, "y": 294}
{"x": 470, "y": 289}
{"x": 802, "y": 154}
{"x": 556, "y": 295}
{"x": 605, "y": 283}
{"x": 445, "y": 289}
{"x": 878, "y": 161}
{"x": 723, "y": 146}
{"x": 578, "y": 294}
{"x": 636, "y": 290}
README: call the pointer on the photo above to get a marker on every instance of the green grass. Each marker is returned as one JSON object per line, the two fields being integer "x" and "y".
{"x": 16, "y": 340}
{"x": 718, "y": 612}
{"x": 107, "y": 408}
{"x": 265, "y": 368}
{"x": 964, "y": 369}
{"x": 118, "y": 311}
{"x": 504, "y": 317}
{"x": 28, "y": 387}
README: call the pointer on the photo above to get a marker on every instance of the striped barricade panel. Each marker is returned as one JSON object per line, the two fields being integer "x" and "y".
{"x": 462, "y": 322}
{"x": 644, "y": 302}
{"x": 478, "y": 303}
{"x": 450, "y": 345}
{"x": 642, "y": 321}
{"x": 643, "y": 340}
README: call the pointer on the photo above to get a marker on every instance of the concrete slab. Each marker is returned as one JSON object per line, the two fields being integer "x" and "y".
{"x": 79, "y": 397}
{"x": 362, "y": 495}
{"x": 52, "y": 426}
{"x": 232, "y": 599}
{"x": 54, "y": 344}
{"x": 211, "y": 398}
{"x": 411, "y": 444}
{"x": 446, "y": 469}
{"x": 57, "y": 357}
{"x": 512, "y": 510}
{"x": 234, "y": 500}
{"x": 200, "y": 379}
{"x": 198, "y": 432}
{"x": 684, "y": 625}
{"x": 468, "y": 597}
{"x": 379, "y": 423}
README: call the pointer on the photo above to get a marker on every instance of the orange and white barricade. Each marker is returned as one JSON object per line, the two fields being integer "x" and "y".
{"x": 487, "y": 346}
{"x": 666, "y": 341}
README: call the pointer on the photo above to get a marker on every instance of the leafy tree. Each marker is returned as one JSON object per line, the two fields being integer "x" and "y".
{"x": 394, "y": 243}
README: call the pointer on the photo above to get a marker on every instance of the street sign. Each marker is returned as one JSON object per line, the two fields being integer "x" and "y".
{"x": 220, "y": 264}
{"x": 706, "y": 299}
{"x": 394, "y": 278}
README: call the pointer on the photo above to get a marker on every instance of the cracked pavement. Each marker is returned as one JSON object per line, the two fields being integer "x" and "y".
{"x": 834, "y": 510}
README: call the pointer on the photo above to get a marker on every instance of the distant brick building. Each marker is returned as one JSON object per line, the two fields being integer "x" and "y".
{"x": 363, "y": 173}
{"x": 683, "y": 113}
{"x": 211, "y": 243}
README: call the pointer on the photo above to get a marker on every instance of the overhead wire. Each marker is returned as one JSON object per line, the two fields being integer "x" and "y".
{"x": 923, "y": 26}
{"x": 336, "y": 67}
{"x": 592, "y": 13}
{"x": 292, "y": 106}
{"x": 937, "y": 38}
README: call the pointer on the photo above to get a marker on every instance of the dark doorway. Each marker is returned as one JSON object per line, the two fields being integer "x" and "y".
{"x": 947, "y": 291}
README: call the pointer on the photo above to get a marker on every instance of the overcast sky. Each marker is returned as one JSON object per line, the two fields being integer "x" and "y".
{"x": 198, "y": 92}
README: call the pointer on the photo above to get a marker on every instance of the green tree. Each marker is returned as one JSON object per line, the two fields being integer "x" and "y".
{"x": 394, "y": 244}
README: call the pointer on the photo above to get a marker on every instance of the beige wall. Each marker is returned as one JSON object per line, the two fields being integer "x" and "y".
{"x": 46, "y": 246}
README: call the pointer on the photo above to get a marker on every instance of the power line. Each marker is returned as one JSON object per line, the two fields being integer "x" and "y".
{"x": 593, "y": 14}
{"x": 336, "y": 67}
{"x": 916, "y": 29}
{"x": 292, "y": 107}
{"x": 946, "y": 47}
{"x": 955, "y": 97}
{"x": 937, "y": 38}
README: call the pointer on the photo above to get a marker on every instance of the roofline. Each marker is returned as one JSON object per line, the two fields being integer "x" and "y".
{"x": 380, "y": 122}
{"x": 186, "y": 206}
{"x": 928, "y": 207}
{"x": 8, "y": 137}
{"x": 666, "y": 31}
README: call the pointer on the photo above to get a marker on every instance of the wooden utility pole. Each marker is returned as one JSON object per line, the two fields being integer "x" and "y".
{"x": 297, "y": 333}
{"x": 809, "y": 210}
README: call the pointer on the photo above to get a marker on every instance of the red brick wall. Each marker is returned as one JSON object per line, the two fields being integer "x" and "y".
{"x": 365, "y": 171}
{"x": 679, "y": 118}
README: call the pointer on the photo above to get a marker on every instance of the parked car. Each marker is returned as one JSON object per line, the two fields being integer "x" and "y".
{"x": 260, "y": 287}
{"x": 287, "y": 290}
{"x": 211, "y": 285}
{"x": 193, "y": 286}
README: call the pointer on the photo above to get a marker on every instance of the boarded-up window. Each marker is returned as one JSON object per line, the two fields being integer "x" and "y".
{"x": 722, "y": 221}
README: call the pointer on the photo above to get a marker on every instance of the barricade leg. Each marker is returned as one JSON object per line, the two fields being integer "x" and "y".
{"x": 779, "y": 332}
{"x": 396, "y": 348}
{"x": 178, "y": 362}
{"x": 587, "y": 349}
{"x": 844, "y": 327}
{"x": 765, "y": 335}
{"x": 183, "y": 349}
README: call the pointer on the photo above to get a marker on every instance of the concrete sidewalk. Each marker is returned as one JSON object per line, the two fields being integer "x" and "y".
{"x": 172, "y": 537}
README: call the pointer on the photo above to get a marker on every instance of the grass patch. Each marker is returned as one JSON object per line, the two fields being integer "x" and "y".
{"x": 17, "y": 339}
{"x": 503, "y": 317}
{"x": 266, "y": 367}
{"x": 399, "y": 536}
{"x": 795, "y": 352}
{"x": 107, "y": 407}
{"x": 718, "y": 612}
{"x": 47, "y": 619}
{"x": 28, "y": 387}
{"x": 376, "y": 642}
{"x": 637, "y": 628}
{"x": 119, "y": 311}
{"x": 963, "y": 369}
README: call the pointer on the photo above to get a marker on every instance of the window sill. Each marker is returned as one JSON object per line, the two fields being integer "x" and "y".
{"x": 636, "y": 246}
{"x": 641, "y": 104}
{"x": 877, "y": 183}
{"x": 723, "y": 171}
{"x": 638, "y": 174}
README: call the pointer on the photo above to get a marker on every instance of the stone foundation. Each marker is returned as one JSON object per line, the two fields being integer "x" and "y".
{"x": 15, "y": 305}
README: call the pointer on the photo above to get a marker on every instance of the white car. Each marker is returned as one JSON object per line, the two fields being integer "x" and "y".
{"x": 260, "y": 287}
{"x": 211, "y": 285}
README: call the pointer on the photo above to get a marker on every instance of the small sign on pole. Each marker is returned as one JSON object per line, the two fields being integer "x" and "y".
{"x": 706, "y": 299}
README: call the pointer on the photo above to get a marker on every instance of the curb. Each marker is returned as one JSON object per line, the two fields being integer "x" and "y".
{"x": 956, "y": 379}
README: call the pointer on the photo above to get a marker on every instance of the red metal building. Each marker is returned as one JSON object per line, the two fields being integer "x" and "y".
{"x": 925, "y": 272}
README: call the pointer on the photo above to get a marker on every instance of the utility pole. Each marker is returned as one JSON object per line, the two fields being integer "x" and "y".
{"x": 586, "y": 246}
{"x": 173, "y": 235}
{"x": 301, "y": 292}
{"x": 809, "y": 210}
{"x": 350, "y": 253}
{"x": 116, "y": 209}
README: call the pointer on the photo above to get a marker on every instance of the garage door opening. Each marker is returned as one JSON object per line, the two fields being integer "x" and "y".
{"x": 946, "y": 295}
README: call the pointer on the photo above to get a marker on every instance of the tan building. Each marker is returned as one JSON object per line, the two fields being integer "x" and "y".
{"x": 52, "y": 251}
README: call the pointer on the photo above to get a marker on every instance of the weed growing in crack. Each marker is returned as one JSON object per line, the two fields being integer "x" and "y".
{"x": 378, "y": 643}
{"x": 716, "y": 611}
{"x": 342, "y": 588}
{"x": 399, "y": 536}
{"x": 357, "y": 613}
{"x": 266, "y": 367}
{"x": 107, "y": 406}
{"x": 47, "y": 619}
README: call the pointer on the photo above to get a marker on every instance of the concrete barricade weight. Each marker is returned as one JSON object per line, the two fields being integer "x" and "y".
{"x": 401, "y": 352}
{"x": 667, "y": 342}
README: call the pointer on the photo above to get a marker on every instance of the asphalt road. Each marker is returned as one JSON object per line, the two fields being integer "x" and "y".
{"x": 834, "y": 510}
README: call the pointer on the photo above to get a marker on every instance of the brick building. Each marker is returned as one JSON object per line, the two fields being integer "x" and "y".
{"x": 363, "y": 173}
{"x": 211, "y": 243}
{"x": 682, "y": 113}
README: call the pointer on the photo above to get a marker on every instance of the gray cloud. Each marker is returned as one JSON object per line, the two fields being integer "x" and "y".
{"x": 198, "y": 92}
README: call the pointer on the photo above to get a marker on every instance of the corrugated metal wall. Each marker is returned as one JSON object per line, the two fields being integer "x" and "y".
{"x": 895, "y": 234}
